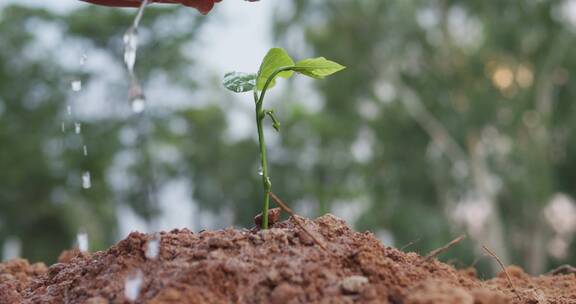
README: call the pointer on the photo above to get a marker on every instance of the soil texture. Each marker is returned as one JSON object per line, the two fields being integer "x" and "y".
{"x": 280, "y": 265}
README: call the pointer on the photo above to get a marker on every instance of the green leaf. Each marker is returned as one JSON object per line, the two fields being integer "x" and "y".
{"x": 275, "y": 59}
{"x": 239, "y": 82}
{"x": 318, "y": 68}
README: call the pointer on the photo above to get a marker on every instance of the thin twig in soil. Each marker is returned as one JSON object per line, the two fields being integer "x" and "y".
{"x": 492, "y": 254}
{"x": 564, "y": 269}
{"x": 434, "y": 253}
{"x": 285, "y": 207}
{"x": 410, "y": 244}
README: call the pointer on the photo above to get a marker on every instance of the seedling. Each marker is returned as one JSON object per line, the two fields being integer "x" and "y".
{"x": 276, "y": 63}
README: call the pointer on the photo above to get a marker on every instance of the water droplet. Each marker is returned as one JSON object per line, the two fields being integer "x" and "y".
{"x": 12, "y": 248}
{"x": 260, "y": 171}
{"x": 82, "y": 240}
{"x": 130, "y": 38}
{"x": 69, "y": 110}
{"x": 130, "y": 48}
{"x": 76, "y": 85}
{"x": 138, "y": 105}
{"x": 229, "y": 77}
{"x": 77, "y": 127}
{"x": 140, "y": 13}
{"x": 153, "y": 247}
{"x": 85, "y": 150}
{"x": 132, "y": 285}
{"x": 83, "y": 59}
{"x": 86, "y": 180}
{"x": 63, "y": 127}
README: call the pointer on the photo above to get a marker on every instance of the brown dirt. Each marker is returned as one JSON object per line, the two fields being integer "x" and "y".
{"x": 281, "y": 265}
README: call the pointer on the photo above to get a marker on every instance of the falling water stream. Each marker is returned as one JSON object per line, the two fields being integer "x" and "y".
{"x": 76, "y": 86}
{"x": 137, "y": 99}
{"x": 135, "y": 93}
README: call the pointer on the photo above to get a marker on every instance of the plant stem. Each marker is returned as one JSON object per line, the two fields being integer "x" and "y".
{"x": 260, "y": 115}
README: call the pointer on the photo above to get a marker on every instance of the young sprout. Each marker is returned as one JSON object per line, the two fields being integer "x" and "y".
{"x": 276, "y": 63}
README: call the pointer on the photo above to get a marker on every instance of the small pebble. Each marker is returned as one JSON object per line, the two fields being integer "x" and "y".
{"x": 353, "y": 284}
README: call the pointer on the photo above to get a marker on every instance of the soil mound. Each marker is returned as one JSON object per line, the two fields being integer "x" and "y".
{"x": 280, "y": 265}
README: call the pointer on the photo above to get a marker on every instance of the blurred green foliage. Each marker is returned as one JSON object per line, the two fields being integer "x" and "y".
{"x": 465, "y": 101}
{"x": 445, "y": 105}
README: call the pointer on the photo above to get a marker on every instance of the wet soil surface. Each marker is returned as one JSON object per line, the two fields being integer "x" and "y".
{"x": 280, "y": 265}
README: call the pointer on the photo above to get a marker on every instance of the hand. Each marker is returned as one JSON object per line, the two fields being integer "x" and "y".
{"x": 204, "y": 6}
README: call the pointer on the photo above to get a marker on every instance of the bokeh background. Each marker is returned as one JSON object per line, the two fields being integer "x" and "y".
{"x": 453, "y": 117}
